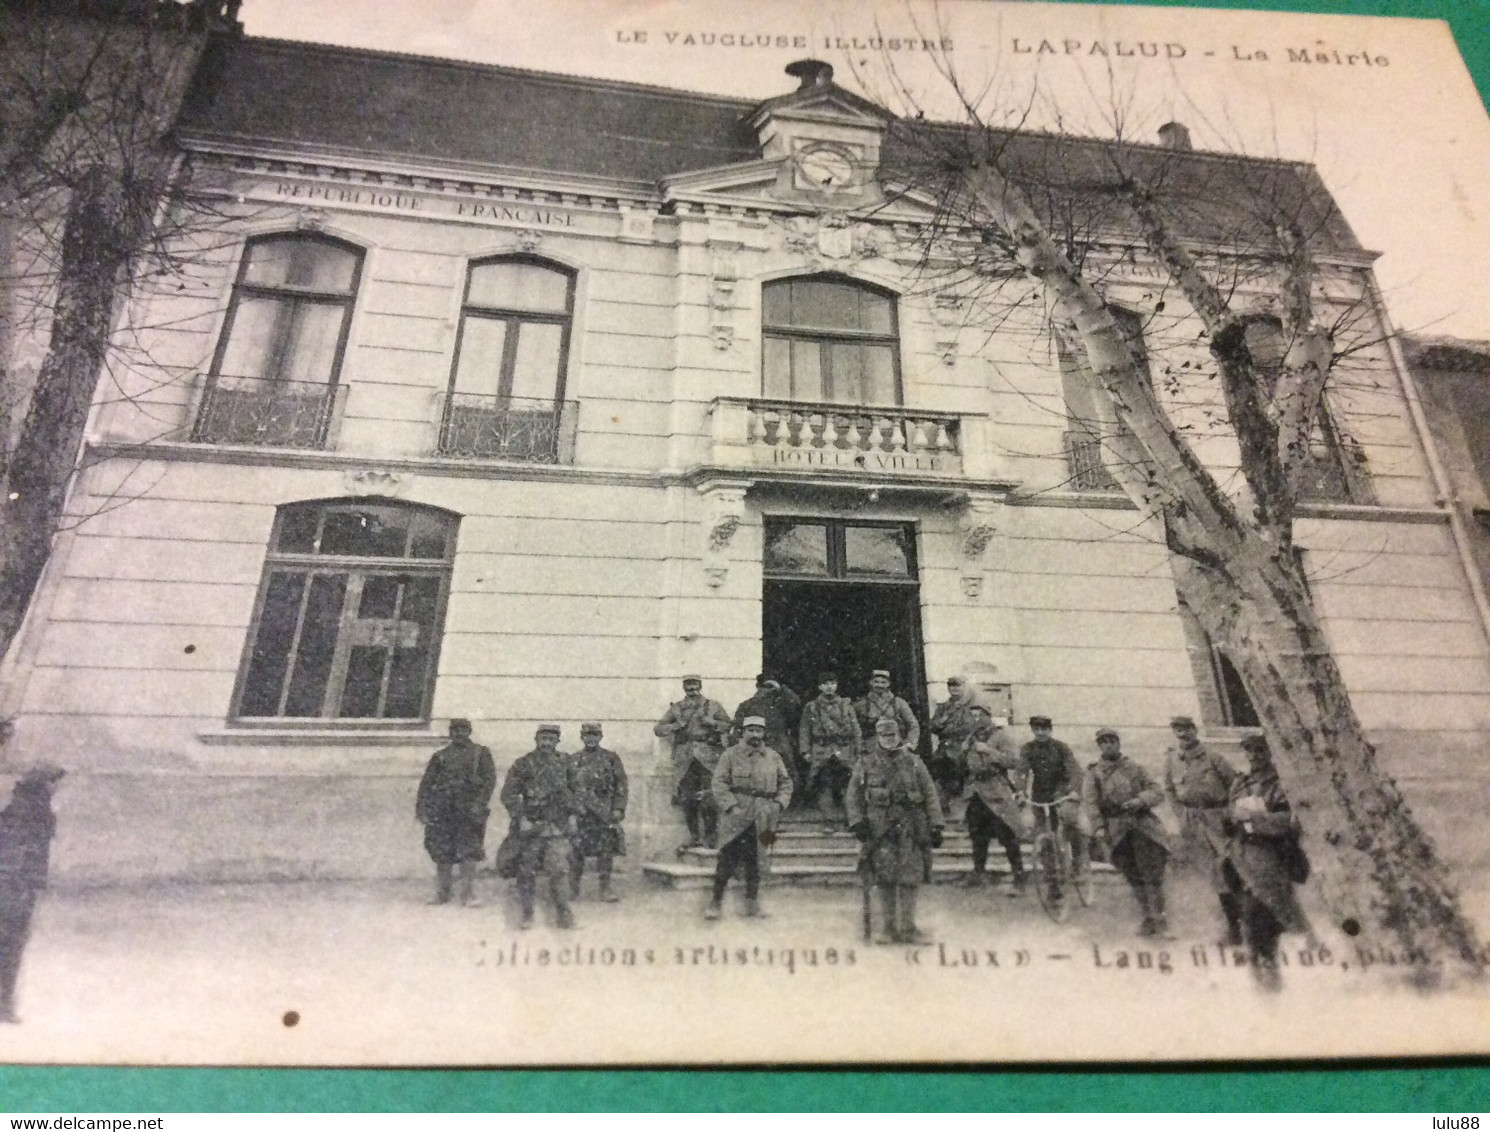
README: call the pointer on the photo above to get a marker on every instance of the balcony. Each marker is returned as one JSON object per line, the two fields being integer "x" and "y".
{"x": 761, "y": 433}
{"x": 265, "y": 413}
{"x": 480, "y": 427}
{"x": 1084, "y": 468}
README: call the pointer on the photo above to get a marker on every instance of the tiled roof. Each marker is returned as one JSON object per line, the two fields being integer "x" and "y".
{"x": 311, "y": 95}
{"x": 317, "y": 98}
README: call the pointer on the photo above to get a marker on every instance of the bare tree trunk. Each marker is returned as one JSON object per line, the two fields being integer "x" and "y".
{"x": 1374, "y": 868}
{"x": 97, "y": 234}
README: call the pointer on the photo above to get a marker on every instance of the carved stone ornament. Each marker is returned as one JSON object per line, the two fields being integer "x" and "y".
{"x": 947, "y": 314}
{"x": 725, "y": 512}
{"x": 724, "y": 278}
{"x": 310, "y": 219}
{"x": 527, "y": 241}
{"x": 831, "y": 236}
{"x": 979, "y": 526}
{"x": 375, "y": 481}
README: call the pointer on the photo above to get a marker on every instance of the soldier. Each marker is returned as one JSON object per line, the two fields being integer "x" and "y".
{"x": 751, "y": 787}
{"x": 1198, "y": 782}
{"x": 1120, "y": 796}
{"x": 829, "y": 738}
{"x": 781, "y": 708}
{"x": 538, "y": 797}
{"x": 697, "y": 727}
{"x": 1055, "y": 776}
{"x": 993, "y": 799}
{"x": 953, "y": 723}
{"x": 894, "y": 812}
{"x": 1262, "y": 859}
{"x": 27, "y": 826}
{"x": 882, "y": 703}
{"x": 453, "y": 803}
{"x": 598, "y": 782}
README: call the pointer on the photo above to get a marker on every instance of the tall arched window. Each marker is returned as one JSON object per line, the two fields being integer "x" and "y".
{"x": 274, "y": 374}
{"x": 350, "y": 612}
{"x": 507, "y": 383}
{"x": 826, "y": 338}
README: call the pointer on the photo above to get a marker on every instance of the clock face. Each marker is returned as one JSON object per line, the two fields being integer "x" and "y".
{"x": 826, "y": 169}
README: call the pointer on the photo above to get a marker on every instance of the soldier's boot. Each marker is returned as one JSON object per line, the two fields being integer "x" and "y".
{"x": 714, "y": 910}
{"x": 442, "y": 885}
{"x": 975, "y": 879}
{"x": 1156, "y": 912}
{"x": 1020, "y": 877}
{"x": 525, "y": 902}
{"x": 1231, "y": 908}
{"x": 607, "y": 893}
{"x": 909, "y": 933}
{"x": 1141, "y": 894}
{"x": 889, "y": 930}
{"x": 468, "y": 895}
{"x": 559, "y": 890}
{"x": 576, "y": 874}
{"x": 753, "y": 907}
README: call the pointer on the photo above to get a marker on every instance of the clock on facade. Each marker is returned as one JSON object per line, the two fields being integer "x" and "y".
{"x": 823, "y": 167}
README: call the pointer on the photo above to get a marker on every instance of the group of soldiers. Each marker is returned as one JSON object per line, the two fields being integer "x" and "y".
{"x": 858, "y": 762}
{"x": 563, "y": 809}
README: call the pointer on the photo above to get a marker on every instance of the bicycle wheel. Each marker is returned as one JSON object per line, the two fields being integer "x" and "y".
{"x": 1049, "y": 881}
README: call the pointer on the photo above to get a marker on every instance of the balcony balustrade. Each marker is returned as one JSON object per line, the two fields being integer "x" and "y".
{"x": 480, "y": 427}
{"x": 756, "y": 432}
{"x": 264, "y": 412}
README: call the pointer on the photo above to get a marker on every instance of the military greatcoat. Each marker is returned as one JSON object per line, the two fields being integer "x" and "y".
{"x": 876, "y": 706}
{"x": 751, "y": 785}
{"x": 1255, "y": 849}
{"x": 598, "y": 782}
{"x": 454, "y": 801}
{"x": 994, "y": 766}
{"x": 829, "y": 730}
{"x": 781, "y": 708}
{"x": 892, "y": 793}
{"x": 538, "y": 797}
{"x": 697, "y": 726}
{"x": 1198, "y": 782}
{"x": 1110, "y": 783}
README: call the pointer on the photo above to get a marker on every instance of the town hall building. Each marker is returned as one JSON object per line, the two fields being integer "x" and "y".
{"x": 516, "y": 396}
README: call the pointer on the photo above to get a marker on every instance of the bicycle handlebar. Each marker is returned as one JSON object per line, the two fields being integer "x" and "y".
{"x": 1053, "y": 803}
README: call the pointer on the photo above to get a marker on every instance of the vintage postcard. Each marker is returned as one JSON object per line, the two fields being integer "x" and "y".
{"x": 709, "y": 533}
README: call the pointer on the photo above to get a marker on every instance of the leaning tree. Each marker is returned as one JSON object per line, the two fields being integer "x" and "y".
{"x": 1234, "y": 248}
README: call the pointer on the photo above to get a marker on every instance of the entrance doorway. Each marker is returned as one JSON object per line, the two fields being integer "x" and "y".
{"x": 843, "y": 596}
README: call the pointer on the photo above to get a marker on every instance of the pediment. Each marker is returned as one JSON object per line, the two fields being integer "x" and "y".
{"x": 770, "y": 186}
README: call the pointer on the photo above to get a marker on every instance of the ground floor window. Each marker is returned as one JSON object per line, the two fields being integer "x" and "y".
{"x": 350, "y": 613}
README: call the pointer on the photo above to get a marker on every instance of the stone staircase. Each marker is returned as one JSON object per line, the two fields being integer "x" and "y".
{"x": 805, "y": 855}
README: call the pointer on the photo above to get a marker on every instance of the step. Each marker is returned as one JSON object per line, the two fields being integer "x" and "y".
{"x": 698, "y": 873}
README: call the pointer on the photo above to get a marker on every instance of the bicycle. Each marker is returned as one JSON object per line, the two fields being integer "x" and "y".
{"x": 1051, "y": 852}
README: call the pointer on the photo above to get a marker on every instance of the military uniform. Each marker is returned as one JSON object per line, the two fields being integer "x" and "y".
{"x": 537, "y": 796}
{"x": 1261, "y": 834}
{"x": 875, "y": 706}
{"x": 1135, "y": 838}
{"x": 1054, "y": 773}
{"x": 781, "y": 708}
{"x": 993, "y": 808}
{"x": 454, "y": 802}
{"x": 697, "y": 727}
{"x": 597, "y": 779}
{"x": 954, "y": 723}
{"x": 751, "y": 787}
{"x": 27, "y": 826}
{"x": 894, "y": 810}
{"x": 829, "y": 737}
{"x": 1198, "y": 782}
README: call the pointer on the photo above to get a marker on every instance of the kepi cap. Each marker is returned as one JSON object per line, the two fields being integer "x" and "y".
{"x": 1256, "y": 744}
{"x": 885, "y": 672}
{"x": 1040, "y": 721}
{"x": 825, "y": 677}
{"x": 590, "y": 727}
{"x": 553, "y": 727}
{"x": 1181, "y": 721}
{"x": 753, "y": 721}
{"x": 692, "y": 678}
{"x": 1107, "y": 733}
